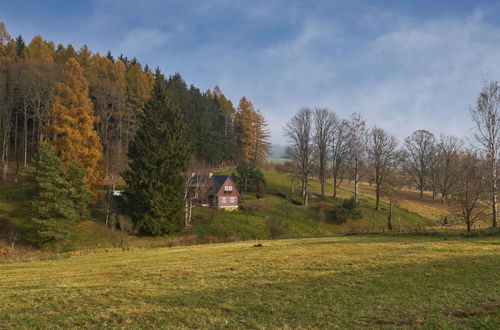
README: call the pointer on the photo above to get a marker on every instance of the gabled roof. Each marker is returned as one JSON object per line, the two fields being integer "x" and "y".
{"x": 218, "y": 181}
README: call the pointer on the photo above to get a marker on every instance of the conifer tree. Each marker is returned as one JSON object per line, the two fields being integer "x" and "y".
{"x": 52, "y": 209}
{"x": 72, "y": 130}
{"x": 78, "y": 193}
{"x": 158, "y": 158}
{"x": 262, "y": 146}
{"x": 245, "y": 118}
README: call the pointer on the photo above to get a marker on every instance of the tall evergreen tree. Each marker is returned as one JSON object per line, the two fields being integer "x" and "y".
{"x": 78, "y": 193}
{"x": 158, "y": 158}
{"x": 52, "y": 209}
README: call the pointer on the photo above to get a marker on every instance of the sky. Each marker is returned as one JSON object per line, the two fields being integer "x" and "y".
{"x": 404, "y": 65}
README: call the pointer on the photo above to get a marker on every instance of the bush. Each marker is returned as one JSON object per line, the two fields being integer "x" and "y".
{"x": 263, "y": 204}
{"x": 348, "y": 210}
{"x": 278, "y": 227}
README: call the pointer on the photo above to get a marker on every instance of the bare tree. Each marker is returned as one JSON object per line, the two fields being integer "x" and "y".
{"x": 448, "y": 149}
{"x": 486, "y": 117}
{"x": 197, "y": 177}
{"x": 6, "y": 110}
{"x": 324, "y": 121}
{"x": 340, "y": 152}
{"x": 470, "y": 189}
{"x": 299, "y": 132}
{"x": 418, "y": 152}
{"x": 381, "y": 150}
{"x": 4, "y": 35}
{"x": 357, "y": 148}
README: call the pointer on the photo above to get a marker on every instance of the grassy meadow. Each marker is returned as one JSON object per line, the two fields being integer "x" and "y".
{"x": 341, "y": 281}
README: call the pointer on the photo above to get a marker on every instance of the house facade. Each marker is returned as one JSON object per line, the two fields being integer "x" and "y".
{"x": 217, "y": 191}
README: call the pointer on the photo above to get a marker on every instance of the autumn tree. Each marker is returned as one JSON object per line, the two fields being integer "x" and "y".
{"x": 245, "y": 117}
{"x": 159, "y": 155}
{"x": 262, "y": 146}
{"x": 71, "y": 129}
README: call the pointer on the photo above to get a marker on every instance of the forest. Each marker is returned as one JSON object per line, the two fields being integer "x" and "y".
{"x": 72, "y": 120}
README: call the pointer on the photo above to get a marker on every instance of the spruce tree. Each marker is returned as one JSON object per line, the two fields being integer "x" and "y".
{"x": 52, "y": 209}
{"x": 158, "y": 158}
{"x": 78, "y": 193}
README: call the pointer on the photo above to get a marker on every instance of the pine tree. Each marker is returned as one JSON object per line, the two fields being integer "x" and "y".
{"x": 72, "y": 123}
{"x": 158, "y": 158}
{"x": 52, "y": 209}
{"x": 20, "y": 45}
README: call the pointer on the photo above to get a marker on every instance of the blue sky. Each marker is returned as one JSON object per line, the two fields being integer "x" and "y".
{"x": 404, "y": 65}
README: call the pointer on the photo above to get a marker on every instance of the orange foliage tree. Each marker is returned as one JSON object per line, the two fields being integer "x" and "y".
{"x": 71, "y": 128}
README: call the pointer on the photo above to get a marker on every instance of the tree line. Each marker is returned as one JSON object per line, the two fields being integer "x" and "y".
{"x": 118, "y": 89}
{"x": 463, "y": 175}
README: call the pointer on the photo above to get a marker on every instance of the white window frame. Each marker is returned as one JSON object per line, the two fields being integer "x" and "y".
{"x": 223, "y": 200}
{"x": 231, "y": 199}
{"x": 228, "y": 188}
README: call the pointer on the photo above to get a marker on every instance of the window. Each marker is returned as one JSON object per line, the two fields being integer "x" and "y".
{"x": 228, "y": 188}
{"x": 223, "y": 199}
{"x": 231, "y": 199}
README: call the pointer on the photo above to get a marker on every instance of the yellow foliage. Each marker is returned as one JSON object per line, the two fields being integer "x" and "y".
{"x": 72, "y": 121}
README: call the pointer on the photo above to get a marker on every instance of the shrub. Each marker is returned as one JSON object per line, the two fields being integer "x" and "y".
{"x": 348, "y": 210}
{"x": 278, "y": 227}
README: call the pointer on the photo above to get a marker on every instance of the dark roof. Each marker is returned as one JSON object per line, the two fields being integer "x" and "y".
{"x": 218, "y": 182}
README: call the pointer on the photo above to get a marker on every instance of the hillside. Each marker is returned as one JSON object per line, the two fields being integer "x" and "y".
{"x": 346, "y": 281}
{"x": 272, "y": 217}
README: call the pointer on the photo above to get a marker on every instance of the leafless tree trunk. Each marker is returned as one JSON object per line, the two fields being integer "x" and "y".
{"x": 340, "y": 152}
{"x": 448, "y": 148}
{"x": 418, "y": 152}
{"x": 6, "y": 103}
{"x": 197, "y": 177}
{"x": 486, "y": 116}
{"x": 357, "y": 148}
{"x": 470, "y": 189}
{"x": 381, "y": 150}
{"x": 299, "y": 132}
{"x": 324, "y": 121}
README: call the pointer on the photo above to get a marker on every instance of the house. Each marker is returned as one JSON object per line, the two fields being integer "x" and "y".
{"x": 217, "y": 191}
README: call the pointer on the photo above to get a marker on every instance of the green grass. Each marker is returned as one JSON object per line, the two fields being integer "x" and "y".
{"x": 216, "y": 225}
{"x": 343, "y": 281}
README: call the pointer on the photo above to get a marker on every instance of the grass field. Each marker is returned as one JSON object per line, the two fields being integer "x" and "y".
{"x": 343, "y": 281}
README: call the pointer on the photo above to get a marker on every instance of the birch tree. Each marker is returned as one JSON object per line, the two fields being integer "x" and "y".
{"x": 486, "y": 117}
